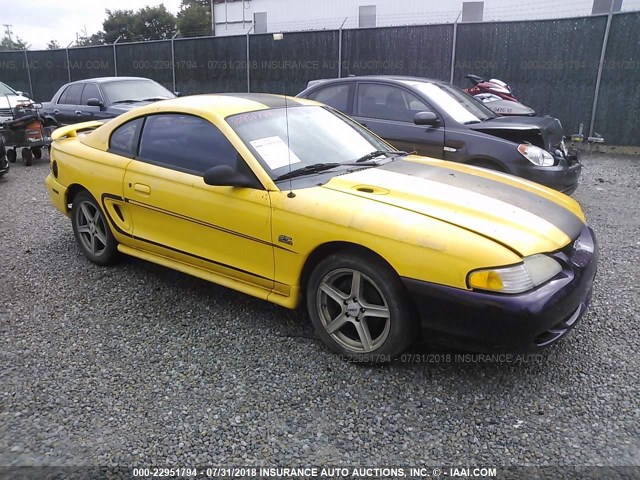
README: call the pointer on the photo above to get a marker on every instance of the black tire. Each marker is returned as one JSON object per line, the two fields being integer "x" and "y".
{"x": 91, "y": 229}
{"x": 27, "y": 157}
{"x": 380, "y": 292}
{"x": 37, "y": 152}
{"x": 11, "y": 155}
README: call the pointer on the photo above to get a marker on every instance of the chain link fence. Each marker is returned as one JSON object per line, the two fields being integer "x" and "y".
{"x": 576, "y": 69}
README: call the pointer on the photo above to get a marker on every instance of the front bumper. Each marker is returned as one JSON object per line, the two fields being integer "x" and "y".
{"x": 524, "y": 322}
{"x": 562, "y": 177}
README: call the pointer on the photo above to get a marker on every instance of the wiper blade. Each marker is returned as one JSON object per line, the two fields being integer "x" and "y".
{"x": 309, "y": 169}
{"x": 124, "y": 101}
{"x": 153, "y": 99}
{"x": 369, "y": 156}
{"x": 377, "y": 153}
{"x": 400, "y": 153}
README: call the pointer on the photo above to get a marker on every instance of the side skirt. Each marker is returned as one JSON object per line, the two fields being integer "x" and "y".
{"x": 288, "y": 301}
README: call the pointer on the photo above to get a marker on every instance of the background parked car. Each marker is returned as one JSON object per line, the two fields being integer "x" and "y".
{"x": 439, "y": 120}
{"x": 105, "y": 97}
{"x": 9, "y": 99}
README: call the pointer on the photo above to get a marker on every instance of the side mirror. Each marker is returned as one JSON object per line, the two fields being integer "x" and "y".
{"x": 225, "y": 176}
{"x": 94, "y": 102}
{"x": 23, "y": 94}
{"x": 426, "y": 118}
{"x": 177, "y": 94}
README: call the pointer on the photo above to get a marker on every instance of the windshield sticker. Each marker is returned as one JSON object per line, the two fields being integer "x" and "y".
{"x": 274, "y": 152}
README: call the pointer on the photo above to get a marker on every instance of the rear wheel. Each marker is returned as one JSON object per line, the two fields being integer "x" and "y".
{"x": 11, "y": 155}
{"x": 27, "y": 157}
{"x": 359, "y": 308}
{"x": 92, "y": 231}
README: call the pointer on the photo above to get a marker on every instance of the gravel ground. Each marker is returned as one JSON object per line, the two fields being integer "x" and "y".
{"x": 137, "y": 364}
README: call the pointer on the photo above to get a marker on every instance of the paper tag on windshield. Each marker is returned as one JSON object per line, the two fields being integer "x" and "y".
{"x": 274, "y": 152}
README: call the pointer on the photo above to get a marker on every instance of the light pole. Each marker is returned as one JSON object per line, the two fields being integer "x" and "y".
{"x": 213, "y": 23}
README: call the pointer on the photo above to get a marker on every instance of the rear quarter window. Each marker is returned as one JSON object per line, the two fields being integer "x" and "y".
{"x": 72, "y": 95}
{"x": 124, "y": 139}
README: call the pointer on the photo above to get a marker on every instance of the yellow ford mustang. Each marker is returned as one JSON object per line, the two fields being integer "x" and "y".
{"x": 294, "y": 203}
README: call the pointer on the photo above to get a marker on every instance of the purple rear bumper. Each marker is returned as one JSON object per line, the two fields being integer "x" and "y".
{"x": 515, "y": 323}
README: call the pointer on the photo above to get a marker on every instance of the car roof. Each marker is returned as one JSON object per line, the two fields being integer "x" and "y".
{"x": 231, "y": 103}
{"x": 399, "y": 79}
{"x": 210, "y": 106}
{"x": 108, "y": 79}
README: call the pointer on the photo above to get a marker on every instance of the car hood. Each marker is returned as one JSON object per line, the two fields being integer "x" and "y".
{"x": 544, "y": 132}
{"x": 523, "y": 216}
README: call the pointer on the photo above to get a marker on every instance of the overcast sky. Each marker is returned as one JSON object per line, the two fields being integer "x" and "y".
{"x": 39, "y": 21}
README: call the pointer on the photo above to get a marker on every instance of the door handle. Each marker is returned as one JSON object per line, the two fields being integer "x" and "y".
{"x": 78, "y": 112}
{"x": 56, "y": 111}
{"x": 141, "y": 188}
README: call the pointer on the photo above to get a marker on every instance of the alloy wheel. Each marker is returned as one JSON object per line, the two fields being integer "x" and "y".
{"x": 353, "y": 310}
{"x": 91, "y": 227}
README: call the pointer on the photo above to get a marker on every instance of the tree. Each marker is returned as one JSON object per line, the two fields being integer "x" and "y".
{"x": 194, "y": 18}
{"x": 153, "y": 23}
{"x": 53, "y": 45}
{"x": 13, "y": 44}
{"x": 95, "y": 39}
{"x": 119, "y": 23}
{"x": 148, "y": 23}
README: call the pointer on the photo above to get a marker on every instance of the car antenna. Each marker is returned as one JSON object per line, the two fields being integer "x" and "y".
{"x": 286, "y": 116}
{"x": 277, "y": 37}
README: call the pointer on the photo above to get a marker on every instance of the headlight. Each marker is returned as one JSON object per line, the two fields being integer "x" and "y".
{"x": 536, "y": 155}
{"x": 533, "y": 271}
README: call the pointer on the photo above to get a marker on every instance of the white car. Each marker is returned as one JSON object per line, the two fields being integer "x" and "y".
{"x": 9, "y": 98}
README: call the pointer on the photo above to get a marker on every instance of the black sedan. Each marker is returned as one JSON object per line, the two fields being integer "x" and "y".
{"x": 439, "y": 120}
{"x": 101, "y": 98}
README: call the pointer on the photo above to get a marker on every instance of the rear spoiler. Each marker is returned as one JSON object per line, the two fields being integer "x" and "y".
{"x": 72, "y": 130}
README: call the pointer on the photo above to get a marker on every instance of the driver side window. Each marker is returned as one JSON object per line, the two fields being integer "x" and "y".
{"x": 388, "y": 102}
{"x": 186, "y": 143}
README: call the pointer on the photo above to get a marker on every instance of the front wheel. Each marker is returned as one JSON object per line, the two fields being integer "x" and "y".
{"x": 359, "y": 308}
{"x": 11, "y": 155}
{"x": 27, "y": 157}
{"x": 37, "y": 152}
{"x": 92, "y": 230}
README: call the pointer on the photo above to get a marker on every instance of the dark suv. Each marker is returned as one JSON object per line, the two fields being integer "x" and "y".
{"x": 102, "y": 98}
{"x": 437, "y": 119}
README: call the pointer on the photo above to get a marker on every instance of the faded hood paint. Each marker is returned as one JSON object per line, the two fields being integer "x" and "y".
{"x": 523, "y": 216}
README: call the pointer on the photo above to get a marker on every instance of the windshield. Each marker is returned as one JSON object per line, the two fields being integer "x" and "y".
{"x": 316, "y": 135}
{"x": 135, "y": 90}
{"x": 5, "y": 90}
{"x": 463, "y": 108}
